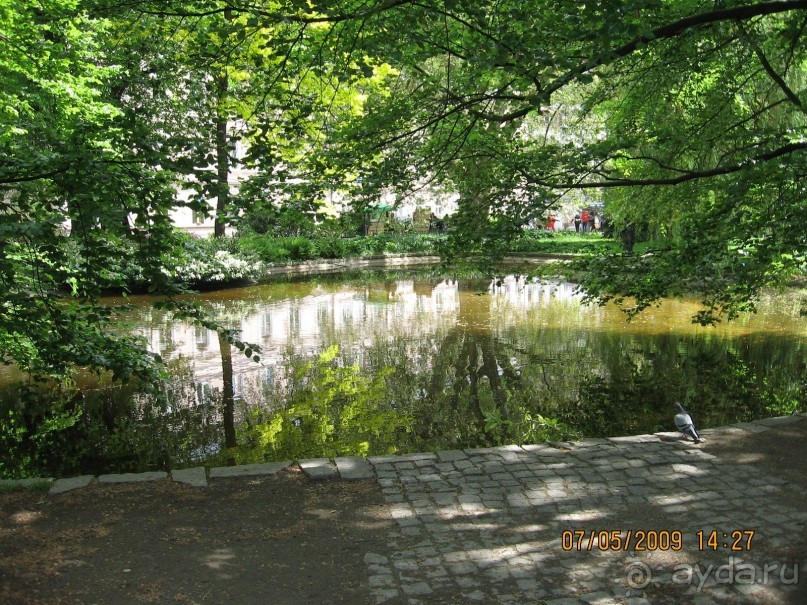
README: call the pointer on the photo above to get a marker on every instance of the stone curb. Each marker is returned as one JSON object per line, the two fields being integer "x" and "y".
{"x": 249, "y": 470}
{"x": 358, "y": 468}
{"x": 319, "y": 468}
{"x": 65, "y": 485}
{"x": 133, "y": 477}
{"x": 354, "y": 468}
{"x": 195, "y": 477}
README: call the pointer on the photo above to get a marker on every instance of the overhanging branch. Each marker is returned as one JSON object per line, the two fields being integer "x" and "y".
{"x": 683, "y": 178}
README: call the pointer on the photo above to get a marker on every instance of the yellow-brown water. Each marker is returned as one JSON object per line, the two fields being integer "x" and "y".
{"x": 420, "y": 362}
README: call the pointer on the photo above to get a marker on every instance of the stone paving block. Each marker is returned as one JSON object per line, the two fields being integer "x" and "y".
{"x": 249, "y": 470}
{"x": 751, "y": 426}
{"x": 511, "y": 447}
{"x": 451, "y": 455}
{"x": 540, "y": 449}
{"x": 413, "y": 457}
{"x": 563, "y": 445}
{"x": 477, "y": 451}
{"x": 353, "y": 468}
{"x": 779, "y": 420}
{"x": 419, "y": 588}
{"x": 593, "y": 442}
{"x": 598, "y": 598}
{"x": 133, "y": 477}
{"x": 318, "y": 468}
{"x": 195, "y": 477}
{"x": 669, "y": 435}
{"x": 696, "y": 453}
{"x": 64, "y": 485}
{"x": 633, "y": 439}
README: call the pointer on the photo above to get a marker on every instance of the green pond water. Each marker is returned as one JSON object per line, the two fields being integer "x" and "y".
{"x": 391, "y": 363}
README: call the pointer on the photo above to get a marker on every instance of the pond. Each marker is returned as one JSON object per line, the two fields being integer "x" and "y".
{"x": 383, "y": 363}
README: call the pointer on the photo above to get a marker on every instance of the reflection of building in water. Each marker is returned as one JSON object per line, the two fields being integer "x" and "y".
{"x": 355, "y": 318}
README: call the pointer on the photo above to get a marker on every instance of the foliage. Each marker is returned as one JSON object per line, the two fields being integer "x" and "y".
{"x": 684, "y": 116}
{"x": 689, "y": 116}
{"x": 107, "y": 429}
{"x": 528, "y": 428}
{"x": 283, "y": 249}
{"x": 331, "y": 410}
{"x": 89, "y": 159}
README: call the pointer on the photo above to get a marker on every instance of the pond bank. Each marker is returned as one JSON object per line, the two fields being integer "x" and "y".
{"x": 357, "y": 467}
{"x": 632, "y": 521}
{"x": 393, "y": 261}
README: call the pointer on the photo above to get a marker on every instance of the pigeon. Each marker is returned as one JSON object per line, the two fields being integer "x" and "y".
{"x": 684, "y": 423}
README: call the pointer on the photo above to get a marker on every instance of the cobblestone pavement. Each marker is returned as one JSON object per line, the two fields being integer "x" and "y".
{"x": 522, "y": 525}
{"x": 648, "y": 519}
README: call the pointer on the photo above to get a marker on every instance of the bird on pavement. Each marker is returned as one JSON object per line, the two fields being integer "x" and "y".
{"x": 684, "y": 423}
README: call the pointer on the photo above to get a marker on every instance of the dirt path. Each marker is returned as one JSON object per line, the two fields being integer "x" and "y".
{"x": 280, "y": 540}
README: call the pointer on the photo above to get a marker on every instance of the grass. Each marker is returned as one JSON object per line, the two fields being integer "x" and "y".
{"x": 285, "y": 249}
{"x": 10, "y": 486}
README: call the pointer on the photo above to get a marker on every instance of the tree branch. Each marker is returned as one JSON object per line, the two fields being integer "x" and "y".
{"x": 792, "y": 97}
{"x": 690, "y": 176}
{"x": 670, "y": 30}
{"x": 33, "y": 177}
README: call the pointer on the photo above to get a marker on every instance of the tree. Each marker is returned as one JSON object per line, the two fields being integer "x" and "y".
{"x": 69, "y": 156}
{"x": 702, "y": 130}
{"x": 89, "y": 145}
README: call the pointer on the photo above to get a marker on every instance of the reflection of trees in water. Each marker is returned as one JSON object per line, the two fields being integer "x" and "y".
{"x": 604, "y": 384}
{"x": 227, "y": 392}
{"x": 634, "y": 381}
{"x": 107, "y": 429}
{"x": 465, "y": 386}
{"x": 483, "y": 376}
{"x": 451, "y": 385}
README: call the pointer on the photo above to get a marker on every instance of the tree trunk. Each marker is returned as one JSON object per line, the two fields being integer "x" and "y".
{"x": 222, "y": 159}
{"x": 227, "y": 393}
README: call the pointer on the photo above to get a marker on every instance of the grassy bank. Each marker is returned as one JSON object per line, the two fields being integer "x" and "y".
{"x": 211, "y": 263}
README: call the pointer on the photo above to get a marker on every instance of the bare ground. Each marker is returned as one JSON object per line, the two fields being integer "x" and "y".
{"x": 279, "y": 540}
{"x": 282, "y": 540}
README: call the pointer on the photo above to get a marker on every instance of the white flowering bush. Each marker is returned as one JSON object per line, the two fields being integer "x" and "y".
{"x": 220, "y": 267}
{"x": 197, "y": 262}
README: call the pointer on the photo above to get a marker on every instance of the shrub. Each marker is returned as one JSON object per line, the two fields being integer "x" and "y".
{"x": 267, "y": 249}
{"x": 334, "y": 247}
{"x": 300, "y": 248}
{"x": 218, "y": 268}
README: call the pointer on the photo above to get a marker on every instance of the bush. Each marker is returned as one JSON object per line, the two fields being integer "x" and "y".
{"x": 548, "y": 242}
{"x": 196, "y": 261}
{"x": 335, "y": 247}
{"x": 219, "y": 268}
{"x": 283, "y": 249}
{"x": 267, "y": 249}
{"x": 300, "y": 248}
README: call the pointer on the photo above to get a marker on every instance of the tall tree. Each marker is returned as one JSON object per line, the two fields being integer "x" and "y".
{"x": 702, "y": 129}
{"x": 70, "y": 157}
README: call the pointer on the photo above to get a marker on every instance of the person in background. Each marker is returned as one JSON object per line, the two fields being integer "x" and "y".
{"x": 550, "y": 222}
{"x": 585, "y": 216}
{"x": 577, "y": 222}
